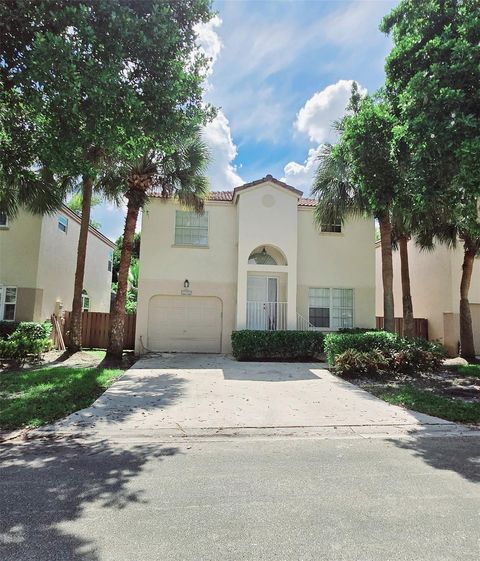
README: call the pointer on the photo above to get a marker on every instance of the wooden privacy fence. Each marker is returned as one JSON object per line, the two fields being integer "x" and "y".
{"x": 420, "y": 326}
{"x": 95, "y": 327}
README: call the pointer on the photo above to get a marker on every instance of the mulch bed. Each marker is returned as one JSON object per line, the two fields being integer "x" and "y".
{"x": 448, "y": 383}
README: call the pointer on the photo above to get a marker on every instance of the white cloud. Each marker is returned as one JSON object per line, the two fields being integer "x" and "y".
{"x": 301, "y": 175}
{"x": 209, "y": 41}
{"x": 355, "y": 23}
{"x": 316, "y": 117}
{"x": 222, "y": 173}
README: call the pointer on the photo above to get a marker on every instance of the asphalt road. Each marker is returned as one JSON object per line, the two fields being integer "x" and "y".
{"x": 348, "y": 499}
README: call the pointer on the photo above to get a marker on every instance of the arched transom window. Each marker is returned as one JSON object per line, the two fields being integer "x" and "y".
{"x": 261, "y": 258}
{"x": 267, "y": 255}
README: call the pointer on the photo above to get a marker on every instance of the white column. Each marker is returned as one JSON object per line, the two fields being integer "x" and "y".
{"x": 292, "y": 297}
{"x": 241, "y": 322}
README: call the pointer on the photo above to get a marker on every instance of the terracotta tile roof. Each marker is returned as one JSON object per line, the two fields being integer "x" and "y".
{"x": 228, "y": 196}
{"x": 307, "y": 202}
{"x": 272, "y": 180}
{"x": 220, "y": 196}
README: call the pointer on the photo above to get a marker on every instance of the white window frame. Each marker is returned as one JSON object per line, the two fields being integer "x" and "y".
{"x": 85, "y": 297}
{"x": 183, "y": 244}
{"x": 3, "y": 302}
{"x": 110, "y": 261}
{"x": 332, "y": 308}
{"x": 62, "y": 223}
{"x": 4, "y": 226}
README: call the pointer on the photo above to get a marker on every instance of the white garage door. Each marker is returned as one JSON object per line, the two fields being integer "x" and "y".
{"x": 185, "y": 324}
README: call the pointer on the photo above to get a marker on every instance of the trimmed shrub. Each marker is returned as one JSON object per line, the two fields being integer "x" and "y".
{"x": 7, "y": 328}
{"x": 353, "y": 363}
{"x": 277, "y": 345}
{"x": 380, "y": 352}
{"x": 33, "y": 330}
{"x": 388, "y": 343}
{"x": 28, "y": 339}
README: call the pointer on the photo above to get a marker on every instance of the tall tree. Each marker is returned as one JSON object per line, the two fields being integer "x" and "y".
{"x": 433, "y": 72}
{"x": 105, "y": 79}
{"x": 75, "y": 203}
{"x": 360, "y": 175}
{"x": 179, "y": 174}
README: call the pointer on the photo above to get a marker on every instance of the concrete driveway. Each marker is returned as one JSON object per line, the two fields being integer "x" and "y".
{"x": 198, "y": 395}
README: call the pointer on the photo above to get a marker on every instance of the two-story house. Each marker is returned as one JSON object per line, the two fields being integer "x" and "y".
{"x": 254, "y": 260}
{"x": 37, "y": 266}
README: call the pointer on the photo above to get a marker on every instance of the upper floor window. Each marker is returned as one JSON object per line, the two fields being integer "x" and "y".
{"x": 63, "y": 223}
{"x": 3, "y": 220}
{"x": 8, "y": 302}
{"x": 191, "y": 228}
{"x": 331, "y": 308}
{"x": 335, "y": 227}
{"x": 110, "y": 261}
{"x": 85, "y": 301}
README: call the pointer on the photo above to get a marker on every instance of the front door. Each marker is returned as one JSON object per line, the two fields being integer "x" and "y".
{"x": 262, "y": 298}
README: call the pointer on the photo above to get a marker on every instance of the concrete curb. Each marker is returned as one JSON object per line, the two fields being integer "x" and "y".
{"x": 403, "y": 431}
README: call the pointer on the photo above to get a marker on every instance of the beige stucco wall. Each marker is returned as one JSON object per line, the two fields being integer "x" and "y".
{"x": 337, "y": 260}
{"x": 435, "y": 286}
{"x": 164, "y": 267}
{"x": 19, "y": 245}
{"x": 57, "y": 263}
{"x": 40, "y": 260}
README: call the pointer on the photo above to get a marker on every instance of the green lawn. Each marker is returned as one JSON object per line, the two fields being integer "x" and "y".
{"x": 34, "y": 397}
{"x": 468, "y": 370}
{"x": 427, "y": 402}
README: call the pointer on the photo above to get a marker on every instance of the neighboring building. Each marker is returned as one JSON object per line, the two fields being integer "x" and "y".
{"x": 435, "y": 286}
{"x": 254, "y": 260}
{"x": 37, "y": 266}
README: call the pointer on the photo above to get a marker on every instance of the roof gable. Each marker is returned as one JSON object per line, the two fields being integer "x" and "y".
{"x": 267, "y": 179}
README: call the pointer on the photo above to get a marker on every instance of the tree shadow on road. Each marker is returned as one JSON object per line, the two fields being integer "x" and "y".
{"x": 452, "y": 453}
{"x": 46, "y": 484}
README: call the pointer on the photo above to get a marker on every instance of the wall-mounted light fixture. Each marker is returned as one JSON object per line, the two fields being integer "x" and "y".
{"x": 186, "y": 284}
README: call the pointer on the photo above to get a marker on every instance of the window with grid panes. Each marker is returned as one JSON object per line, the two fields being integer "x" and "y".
{"x": 331, "y": 308}
{"x": 191, "y": 228}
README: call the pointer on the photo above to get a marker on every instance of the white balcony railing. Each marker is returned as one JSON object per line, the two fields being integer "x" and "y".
{"x": 267, "y": 316}
{"x": 303, "y": 324}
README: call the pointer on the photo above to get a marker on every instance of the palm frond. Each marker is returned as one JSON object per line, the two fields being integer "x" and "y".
{"x": 337, "y": 197}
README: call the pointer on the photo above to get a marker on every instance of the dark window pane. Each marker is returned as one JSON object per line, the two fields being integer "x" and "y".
{"x": 319, "y": 317}
{"x": 337, "y": 227}
{"x": 9, "y": 312}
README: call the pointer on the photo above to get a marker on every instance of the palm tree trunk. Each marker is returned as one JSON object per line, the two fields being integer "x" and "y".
{"x": 406, "y": 293}
{"x": 75, "y": 335}
{"x": 117, "y": 317}
{"x": 387, "y": 274}
{"x": 467, "y": 346}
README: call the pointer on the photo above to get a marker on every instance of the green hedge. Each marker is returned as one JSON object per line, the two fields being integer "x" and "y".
{"x": 388, "y": 343}
{"x": 378, "y": 353}
{"x": 28, "y": 339}
{"x": 277, "y": 345}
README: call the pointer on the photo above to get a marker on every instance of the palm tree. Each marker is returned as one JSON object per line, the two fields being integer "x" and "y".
{"x": 180, "y": 174}
{"x": 37, "y": 192}
{"x": 401, "y": 235}
{"x": 338, "y": 198}
{"x": 448, "y": 223}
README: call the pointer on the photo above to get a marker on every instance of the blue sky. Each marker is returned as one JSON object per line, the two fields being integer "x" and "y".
{"x": 281, "y": 74}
